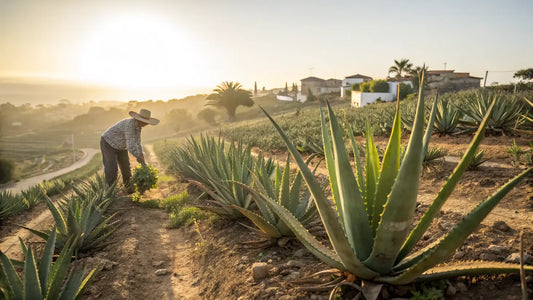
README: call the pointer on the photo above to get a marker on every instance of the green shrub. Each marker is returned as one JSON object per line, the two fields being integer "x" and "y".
{"x": 7, "y": 170}
{"x": 365, "y": 86}
{"x": 356, "y": 87}
{"x": 185, "y": 216}
{"x": 380, "y": 86}
{"x": 208, "y": 115}
{"x": 176, "y": 202}
{"x": 405, "y": 89}
{"x": 144, "y": 178}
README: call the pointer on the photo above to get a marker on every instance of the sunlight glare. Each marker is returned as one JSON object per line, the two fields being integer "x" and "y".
{"x": 139, "y": 51}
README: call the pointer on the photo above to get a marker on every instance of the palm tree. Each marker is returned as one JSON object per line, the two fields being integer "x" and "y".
{"x": 230, "y": 95}
{"x": 401, "y": 66}
{"x": 416, "y": 73}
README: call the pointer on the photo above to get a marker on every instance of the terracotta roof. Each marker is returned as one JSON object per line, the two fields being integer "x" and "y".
{"x": 439, "y": 71}
{"x": 312, "y": 79}
{"x": 359, "y": 76}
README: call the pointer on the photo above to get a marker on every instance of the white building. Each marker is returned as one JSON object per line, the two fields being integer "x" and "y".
{"x": 347, "y": 82}
{"x": 360, "y": 99}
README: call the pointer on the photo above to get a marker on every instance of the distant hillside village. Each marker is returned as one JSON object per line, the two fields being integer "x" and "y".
{"x": 348, "y": 88}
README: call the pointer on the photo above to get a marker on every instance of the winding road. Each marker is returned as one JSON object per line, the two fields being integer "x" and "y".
{"x": 16, "y": 187}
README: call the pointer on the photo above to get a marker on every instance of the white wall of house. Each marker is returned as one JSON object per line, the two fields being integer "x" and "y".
{"x": 299, "y": 97}
{"x": 360, "y": 99}
{"x": 347, "y": 84}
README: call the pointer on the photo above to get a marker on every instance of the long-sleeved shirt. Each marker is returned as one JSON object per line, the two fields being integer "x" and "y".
{"x": 125, "y": 135}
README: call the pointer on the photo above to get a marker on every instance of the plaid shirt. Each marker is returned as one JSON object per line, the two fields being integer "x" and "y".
{"x": 125, "y": 135}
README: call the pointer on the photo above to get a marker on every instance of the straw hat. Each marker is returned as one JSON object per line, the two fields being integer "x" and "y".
{"x": 144, "y": 115}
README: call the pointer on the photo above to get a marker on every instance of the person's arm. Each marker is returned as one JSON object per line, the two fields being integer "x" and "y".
{"x": 133, "y": 142}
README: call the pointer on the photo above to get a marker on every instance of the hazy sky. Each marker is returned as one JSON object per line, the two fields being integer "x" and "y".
{"x": 165, "y": 44}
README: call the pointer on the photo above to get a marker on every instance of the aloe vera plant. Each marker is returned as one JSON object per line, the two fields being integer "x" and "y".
{"x": 10, "y": 204}
{"x": 447, "y": 118}
{"x": 50, "y": 280}
{"x": 369, "y": 226}
{"x": 280, "y": 190}
{"x": 82, "y": 215}
{"x": 214, "y": 167}
{"x": 505, "y": 115}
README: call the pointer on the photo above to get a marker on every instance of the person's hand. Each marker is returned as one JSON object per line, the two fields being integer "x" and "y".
{"x": 141, "y": 160}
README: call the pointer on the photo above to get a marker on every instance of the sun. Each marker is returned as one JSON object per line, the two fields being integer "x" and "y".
{"x": 139, "y": 51}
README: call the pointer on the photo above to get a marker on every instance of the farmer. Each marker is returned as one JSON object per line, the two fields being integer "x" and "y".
{"x": 120, "y": 138}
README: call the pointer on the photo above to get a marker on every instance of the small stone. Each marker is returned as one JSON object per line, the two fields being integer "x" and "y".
{"x": 270, "y": 261}
{"x": 501, "y": 226}
{"x": 294, "y": 264}
{"x": 244, "y": 259}
{"x": 282, "y": 242}
{"x": 161, "y": 272}
{"x": 293, "y": 275}
{"x": 515, "y": 258}
{"x": 461, "y": 287}
{"x": 459, "y": 255}
{"x": 451, "y": 291}
{"x": 300, "y": 252}
{"x": 487, "y": 256}
{"x": 259, "y": 271}
{"x": 497, "y": 249}
{"x": 157, "y": 264}
{"x": 196, "y": 282}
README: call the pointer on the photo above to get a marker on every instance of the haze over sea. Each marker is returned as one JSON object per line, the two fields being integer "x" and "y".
{"x": 38, "y": 91}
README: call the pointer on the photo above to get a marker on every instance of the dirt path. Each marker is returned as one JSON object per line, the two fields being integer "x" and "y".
{"x": 142, "y": 248}
{"x": 16, "y": 187}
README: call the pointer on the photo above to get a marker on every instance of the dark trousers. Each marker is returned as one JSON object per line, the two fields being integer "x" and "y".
{"x": 111, "y": 157}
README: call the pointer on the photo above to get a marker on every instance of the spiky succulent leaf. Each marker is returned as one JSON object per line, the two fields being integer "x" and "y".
{"x": 445, "y": 191}
{"x": 389, "y": 169}
{"x": 447, "y": 245}
{"x": 400, "y": 206}
{"x": 327, "y": 214}
{"x": 259, "y": 221}
{"x": 355, "y": 218}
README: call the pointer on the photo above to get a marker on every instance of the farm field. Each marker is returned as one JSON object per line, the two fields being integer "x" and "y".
{"x": 213, "y": 257}
{"x": 220, "y": 268}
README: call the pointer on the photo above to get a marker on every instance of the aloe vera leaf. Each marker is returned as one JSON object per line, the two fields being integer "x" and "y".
{"x": 431, "y": 122}
{"x": 260, "y": 222}
{"x": 445, "y": 191}
{"x": 285, "y": 188}
{"x": 58, "y": 217}
{"x": 358, "y": 165}
{"x": 46, "y": 260}
{"x": 295, "y": 194}
{"x": 356, "y": 223}
{"x": 330, "y": 165}
{"x": 72, "y": 285}
{"x": 389, "y": 169}
{"x": 32, "y": 286}
{"x": 456, "y": 237}
{"x": 59, "y": 270}
{"x": 400, "y": 206}
{"x": 462, "y": 268}
{"x": 14, "y": 286}
{"x": 372, "y": 171}
{"x": 329, "y": 218}
{"x": 309, "y": 241}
